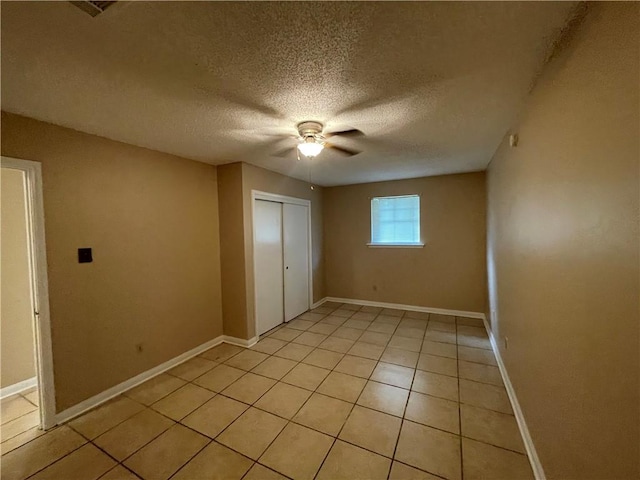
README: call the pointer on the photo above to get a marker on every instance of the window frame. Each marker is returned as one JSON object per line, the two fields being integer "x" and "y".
{"x": 372, "y": 244}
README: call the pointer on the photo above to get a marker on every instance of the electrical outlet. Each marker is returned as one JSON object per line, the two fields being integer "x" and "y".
{"x": 506, "y": 343}
{"x": 139, "y": 348}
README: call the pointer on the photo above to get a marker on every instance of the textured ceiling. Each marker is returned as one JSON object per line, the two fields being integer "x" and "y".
{"x": 434, "y": 86}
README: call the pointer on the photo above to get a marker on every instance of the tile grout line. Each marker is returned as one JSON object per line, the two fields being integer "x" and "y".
{"x": 459, "y": 403}
{"x": 193, "y": 456}
{"x": 21, "y": 432}
{"x": 176, "y": 422}
{"x": 404, "y": 413}
{"x": 353, "y": 406}
{"x": 116, "y": 466}
{"x": 28, "y": 441}
{"x": 289, "y": 421}
{"x": 32, "y": 439}
{"x": 404, "y": 419}
{"x": 145, "y": 407}
{"x": 121, "y": 462}
{"x": 87, "y": 442}
{"x": 335, "y": 438}
{"x": 56, "y": 461}
{"x": 37, "y": 409}
{"x": 32, "y": 403}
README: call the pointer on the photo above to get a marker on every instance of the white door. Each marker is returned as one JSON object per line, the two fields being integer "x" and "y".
{"x": 296, "y": 260}
{"x": 267, "y": 223}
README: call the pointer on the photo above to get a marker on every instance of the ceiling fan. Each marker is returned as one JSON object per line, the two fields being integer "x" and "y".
{"x": 311, "y": 140}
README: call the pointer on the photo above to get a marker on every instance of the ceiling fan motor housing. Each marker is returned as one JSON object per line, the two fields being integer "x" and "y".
{"x": 310, "y": 130}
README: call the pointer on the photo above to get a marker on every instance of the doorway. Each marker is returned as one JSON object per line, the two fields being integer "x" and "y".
{"x": 282, "y": 259}
{"x": 27, "y": 390}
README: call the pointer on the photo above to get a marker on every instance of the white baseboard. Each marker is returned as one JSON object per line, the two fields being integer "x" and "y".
{"x": 318, "y": 303}
{"x": 536, "y": 466}
{"x": 240, "y": 342}
{"x": 116, "y": 390}
{"x": 412, "y": 308}
{"x": 18, "y": 387}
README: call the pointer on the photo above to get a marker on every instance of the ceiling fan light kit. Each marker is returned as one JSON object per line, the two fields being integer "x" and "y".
{"x": 312, "y": 141}
{"x": 310, "y": 147}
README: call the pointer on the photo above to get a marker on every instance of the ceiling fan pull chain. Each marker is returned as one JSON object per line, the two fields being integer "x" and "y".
{"x": 309, "y": 173}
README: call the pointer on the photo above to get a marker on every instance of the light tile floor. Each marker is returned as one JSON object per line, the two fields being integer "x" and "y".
{"x": 20, "y": 419}
{"x": 342, "y": 392}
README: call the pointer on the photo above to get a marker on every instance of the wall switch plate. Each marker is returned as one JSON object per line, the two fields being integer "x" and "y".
{"x": 84, "y": 255}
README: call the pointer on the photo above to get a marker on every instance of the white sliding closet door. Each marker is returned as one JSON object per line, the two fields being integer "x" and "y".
{"x": 296, "y": 260}
{"x": 268, "y": 263}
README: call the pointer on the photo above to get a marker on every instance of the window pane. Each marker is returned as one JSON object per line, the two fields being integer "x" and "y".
{"x": 395, "y": 219}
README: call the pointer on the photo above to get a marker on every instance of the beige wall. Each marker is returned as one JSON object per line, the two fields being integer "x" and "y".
{"x": 17, "y": 345}
{"x": 236, "y": 182}
{"x": 152, "y": 221}
{"x": 232, "y": 250}
{"x": 563, "y": 246}
{"x": 449, "y": 272}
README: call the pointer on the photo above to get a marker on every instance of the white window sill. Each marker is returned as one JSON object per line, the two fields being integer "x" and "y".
{"x": 395, "y": 245}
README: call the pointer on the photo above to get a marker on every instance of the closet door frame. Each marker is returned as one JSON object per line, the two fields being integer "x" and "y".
{"x": 273, "y": 197}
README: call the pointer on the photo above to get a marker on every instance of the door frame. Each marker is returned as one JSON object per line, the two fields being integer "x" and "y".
{"x": 274, "y": 197}
{"x": 39, "y": 285}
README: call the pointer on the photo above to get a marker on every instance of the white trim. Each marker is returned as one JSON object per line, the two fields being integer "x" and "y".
{"x": 274, "y": 197}
{"x": 536, "y": 466}
{"x": 417, "y": 244}
{"x": 116, "y": 390}
{"x": 412, "y": 308}
{"x": 39, "y": 285}
{"x": 18, "y": 387}
{"x": 395, "y": 245}
{"x": 318, "y": 303}
{"x": 240, "y": 342}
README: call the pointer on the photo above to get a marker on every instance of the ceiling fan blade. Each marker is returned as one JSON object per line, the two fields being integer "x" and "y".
{"x": 285, "y": 152}
{"x": 344, "y": 151}
{"x": 279, "y": 135}
{"x": 352, "y": 132}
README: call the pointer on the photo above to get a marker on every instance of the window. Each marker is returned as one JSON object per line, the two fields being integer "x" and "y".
{"x": 395, "y": 221}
